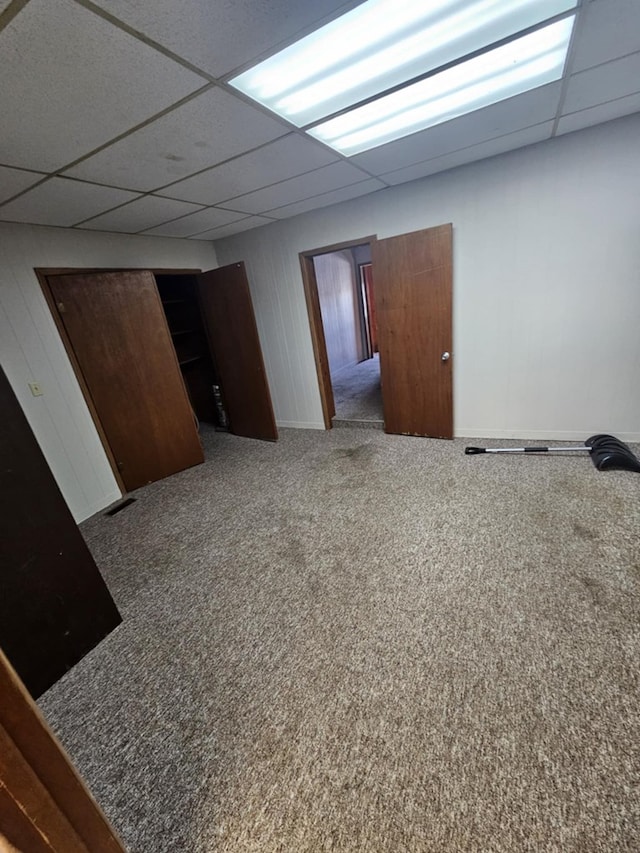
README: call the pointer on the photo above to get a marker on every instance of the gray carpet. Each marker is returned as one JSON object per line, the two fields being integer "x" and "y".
{"x": 350, "y": 641}
{"x": 357, "y": 395}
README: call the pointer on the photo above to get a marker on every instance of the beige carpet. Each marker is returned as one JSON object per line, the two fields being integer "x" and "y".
{"x": 357, "y": 394}
{"x": 350, "y": 641}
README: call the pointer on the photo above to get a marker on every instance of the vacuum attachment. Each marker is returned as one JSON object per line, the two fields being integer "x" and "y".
{"x": 607, "y": 452}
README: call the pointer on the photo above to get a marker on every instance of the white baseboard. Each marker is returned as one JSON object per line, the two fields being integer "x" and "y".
{"x": 96, "y": 506}
{"x": 301, "y": 424}
{"x": 547, "y": 435}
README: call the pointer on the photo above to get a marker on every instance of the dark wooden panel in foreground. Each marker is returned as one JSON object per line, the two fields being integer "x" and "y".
{"x": 54, "y": 604}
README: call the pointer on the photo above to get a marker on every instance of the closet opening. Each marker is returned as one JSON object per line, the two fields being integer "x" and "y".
{"x": 157, "y": 353}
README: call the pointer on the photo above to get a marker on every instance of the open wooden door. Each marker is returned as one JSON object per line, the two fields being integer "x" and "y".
{"x": 412, "y": 277}
{"x": 119, "y": 336}
{"x": 45, "y": 806}
{"x": 54, "y": 604}
{"x": 233, "y": 338}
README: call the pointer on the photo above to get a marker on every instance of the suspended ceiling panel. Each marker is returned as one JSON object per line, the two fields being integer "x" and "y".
{"x": 610, "y": 29}
{"x": 208, "y": 129}
{"x": 607, "y": 82}
{"x": 220, "y": 37}
{"x": 468, "y": 155}
{"x": 295, "y": 189}
{"x": 71, "y": 82}
{"x": 131, "y": 98}
{"x": 141, "y": 214}
{"x": 597, "y": 115}
{"x": 325, "y": 199}
{"x": 59, "y": 201}
{"x": 285, "y": 158}
{"x": 13, "y": 181}
{"x": 196, "y": 223}
{"x": 227, "y": 230}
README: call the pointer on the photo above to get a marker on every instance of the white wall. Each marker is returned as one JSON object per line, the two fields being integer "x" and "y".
{"x": 546, "y": 285}
{"x": 31, "y": 349}
{"x": 339, "y": 308}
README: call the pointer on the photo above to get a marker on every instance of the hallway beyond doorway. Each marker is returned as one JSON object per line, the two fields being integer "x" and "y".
{"x": 357, "y": 395}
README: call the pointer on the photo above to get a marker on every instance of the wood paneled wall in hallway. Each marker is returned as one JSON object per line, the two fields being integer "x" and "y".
{"x": 340, "y": 308}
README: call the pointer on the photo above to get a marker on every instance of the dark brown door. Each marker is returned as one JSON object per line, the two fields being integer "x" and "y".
{"x": 54, "y": 605}
{"x": 233, "y": 336}
{"x": 412, "y": 278}
{"x": 119, "y": 335}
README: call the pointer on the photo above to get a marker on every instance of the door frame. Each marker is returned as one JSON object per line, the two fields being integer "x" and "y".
{"x": 318, "y": 341}
{"x": 44, "y": 795}
{"x": 42, "y": 274}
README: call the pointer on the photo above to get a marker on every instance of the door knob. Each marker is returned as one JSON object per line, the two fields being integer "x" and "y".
{"x": 445, "y": 356}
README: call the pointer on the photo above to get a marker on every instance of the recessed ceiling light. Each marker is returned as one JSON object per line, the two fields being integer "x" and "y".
{"x": 519, "y": 66}
{"x": 382, "y": 44}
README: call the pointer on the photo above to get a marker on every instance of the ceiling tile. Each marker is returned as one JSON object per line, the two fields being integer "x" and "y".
{"x": 219, "y": 37}
{"x": 195, "y": 223}
{"x": 60, "y": 201}
{"x": 295, "y": 189}
{"x": 210, "y": 128}
{"x": 609, "y": 29}
{"x": 141, "y": 214}
{"x": 508, "y": 116}
{"x": 334, "y": 197}
{"x": 13, "y": 181}
{"x": 285, "y": 158}
{"x": 596, "y": 115}
{"x": 227, "y": 230}
{"x": 84, "y": 82}
{"x": 605, "y": 83}
{"x": 468, "y": 155}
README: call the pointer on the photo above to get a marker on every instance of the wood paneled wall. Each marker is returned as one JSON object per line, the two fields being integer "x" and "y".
{"x": 340, "y": 308}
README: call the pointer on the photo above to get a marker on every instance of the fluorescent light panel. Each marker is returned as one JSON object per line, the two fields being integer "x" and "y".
{"x": 519, "y": 66}
{"x": 381, "y": 44}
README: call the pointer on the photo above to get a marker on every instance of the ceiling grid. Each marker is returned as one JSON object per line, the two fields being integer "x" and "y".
{"x": 120, "y": 117}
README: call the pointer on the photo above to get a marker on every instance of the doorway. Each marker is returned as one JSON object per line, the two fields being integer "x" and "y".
{"x": 411, "y": 280}
{"x": 341, "y": 313}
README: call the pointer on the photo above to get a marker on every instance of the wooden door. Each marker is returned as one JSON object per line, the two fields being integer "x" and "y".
{"x": 119, "y": 335}
{"x": 44, "y": 804}
{"x": 372, "y": 320}
{"x": 412, "y": 277}
{"x": 54, "y": 605}
{"x": 233, "y": 337}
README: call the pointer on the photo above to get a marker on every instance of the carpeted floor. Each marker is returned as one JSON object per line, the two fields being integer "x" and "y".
{"x": 350, "y": 641}
{"x": 357, "y": 394}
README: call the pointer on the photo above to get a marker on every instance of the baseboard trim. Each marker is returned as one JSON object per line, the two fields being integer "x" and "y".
{"x": 548, "y": 435}
{"x": 301, "y": 424}
{"x": 97, "y": 506}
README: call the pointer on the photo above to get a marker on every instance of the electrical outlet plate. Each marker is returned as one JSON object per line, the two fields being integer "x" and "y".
{"x": 36, "y": 389}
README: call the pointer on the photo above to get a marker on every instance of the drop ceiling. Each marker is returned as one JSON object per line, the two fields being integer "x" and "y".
{"x": 118, "y": 117}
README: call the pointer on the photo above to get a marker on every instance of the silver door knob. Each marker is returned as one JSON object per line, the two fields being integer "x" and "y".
{"x": 445, "y": 356}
